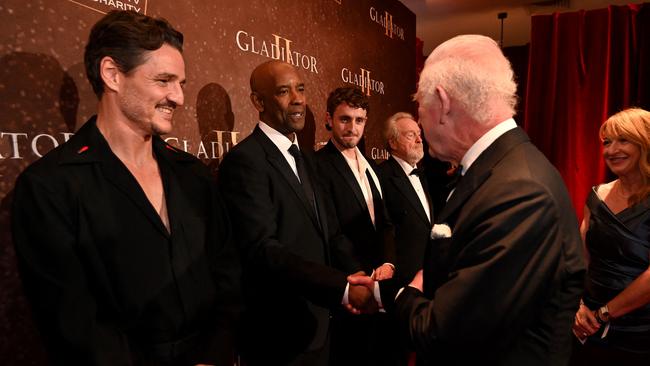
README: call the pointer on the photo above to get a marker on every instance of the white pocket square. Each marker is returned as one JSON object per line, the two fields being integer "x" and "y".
{"x": 440, "y": 231}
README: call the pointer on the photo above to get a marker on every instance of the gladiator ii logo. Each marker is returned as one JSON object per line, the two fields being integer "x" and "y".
{"x": 277, "y": 48}
{"x": 362, "y": 80}
{"x": 385, "y": 19}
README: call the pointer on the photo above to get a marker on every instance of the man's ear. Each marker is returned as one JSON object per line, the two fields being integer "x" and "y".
{"x": 257, "y": 102}
{"x": 328, "y": 121}
{"x": 392, "y": 143}
{"x": 110, "y": 73}
{"x": 445, "y": 102}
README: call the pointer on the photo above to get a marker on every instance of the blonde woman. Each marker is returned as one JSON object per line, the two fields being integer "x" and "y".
{"x": 613, "y": 320}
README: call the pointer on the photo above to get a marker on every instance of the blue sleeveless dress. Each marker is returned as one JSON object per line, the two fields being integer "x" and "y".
{"x": 619, "y": 248}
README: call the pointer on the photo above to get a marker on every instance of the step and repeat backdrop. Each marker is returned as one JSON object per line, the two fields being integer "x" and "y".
{"x": 45, "y": 97}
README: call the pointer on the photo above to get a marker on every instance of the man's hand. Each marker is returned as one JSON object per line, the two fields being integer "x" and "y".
{"x": 585, "y": 323}
{"x": 383, "y": 272}
{"x": 360, "y": 294}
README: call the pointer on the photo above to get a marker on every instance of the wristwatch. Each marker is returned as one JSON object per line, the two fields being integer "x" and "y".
{"x": 602, "y": 315}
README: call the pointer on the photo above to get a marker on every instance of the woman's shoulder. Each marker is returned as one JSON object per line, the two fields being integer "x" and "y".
{"x": 603, "y": 190}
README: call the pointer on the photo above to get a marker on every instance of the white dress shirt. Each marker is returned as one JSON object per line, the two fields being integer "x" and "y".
{"x": 482, "y": 144}
{"x": 359, "y": 167}
{"x": 283, "y": 144}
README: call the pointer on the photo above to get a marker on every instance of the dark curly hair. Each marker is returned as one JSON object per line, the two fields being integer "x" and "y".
{"x": 352, "y": 96}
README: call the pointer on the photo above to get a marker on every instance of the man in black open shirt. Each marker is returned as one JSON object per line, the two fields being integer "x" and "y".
{"x": 122, "y": 240}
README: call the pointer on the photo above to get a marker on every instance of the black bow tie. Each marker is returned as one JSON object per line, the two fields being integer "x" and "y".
{"x": 416, "y": 171}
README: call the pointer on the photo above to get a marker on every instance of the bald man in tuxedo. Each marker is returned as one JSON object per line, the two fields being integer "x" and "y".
{"x": 295, "y": 259}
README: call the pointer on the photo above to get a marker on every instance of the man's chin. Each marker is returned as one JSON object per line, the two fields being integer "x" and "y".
{"x": 158, "y": 129}
{"x": 345, "y": 143}
{"x": 297, "y": 125}
{"x": 416, "y": 157}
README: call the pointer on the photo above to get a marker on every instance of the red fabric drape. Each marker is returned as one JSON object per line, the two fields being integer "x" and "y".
{"x": 584, "y": 66}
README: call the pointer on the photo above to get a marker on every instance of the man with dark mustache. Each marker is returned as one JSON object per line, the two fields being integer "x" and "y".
{"x": 295, "y": 259}
{"x": 122, "y": 240}
{"x": 352, "y": 182}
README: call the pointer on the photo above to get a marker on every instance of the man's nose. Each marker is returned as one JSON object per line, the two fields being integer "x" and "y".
{"x": 176, "y": 94}
{"x": 297, "y": 97}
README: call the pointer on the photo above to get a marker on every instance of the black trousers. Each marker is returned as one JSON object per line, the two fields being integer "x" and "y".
{"x": 590, "y": 354}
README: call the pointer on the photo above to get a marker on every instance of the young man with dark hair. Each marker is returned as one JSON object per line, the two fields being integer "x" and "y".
{"x": 353, "y": 184}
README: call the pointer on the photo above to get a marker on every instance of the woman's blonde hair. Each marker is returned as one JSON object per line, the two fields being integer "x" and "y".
{"x": 632, "y": 124}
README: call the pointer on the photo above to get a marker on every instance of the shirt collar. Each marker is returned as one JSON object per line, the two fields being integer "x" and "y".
{"x": 281, "y": 141}
{"x": 485, "y": 141}
{"x": 405, "y": 166}
{"x": 363, "y": 163}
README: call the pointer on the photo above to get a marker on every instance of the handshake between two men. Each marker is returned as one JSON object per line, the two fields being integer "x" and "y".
{"x": 363, "y": 292}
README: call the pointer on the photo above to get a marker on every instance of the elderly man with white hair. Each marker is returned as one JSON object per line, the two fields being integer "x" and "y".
{"x": 502, "y": 281}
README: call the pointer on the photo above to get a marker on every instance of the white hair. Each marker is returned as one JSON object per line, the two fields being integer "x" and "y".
{"x": 390, "y": 132}
{"x": 474, "y": 72}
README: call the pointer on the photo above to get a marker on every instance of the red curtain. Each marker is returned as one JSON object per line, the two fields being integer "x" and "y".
{"x": 584, "y": 66}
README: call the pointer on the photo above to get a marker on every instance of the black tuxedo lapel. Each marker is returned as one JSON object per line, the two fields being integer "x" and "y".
{"x": 277, "y": 160}
{"x": 481, "y": 170}
{"x": 338, "y": 161}
{"x": 403, "y": 184}
{"x": 425, "y": 188}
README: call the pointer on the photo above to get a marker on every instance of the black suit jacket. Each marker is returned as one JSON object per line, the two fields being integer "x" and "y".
{"x": 289, "y": 255}
{"x": 105, "y": 278}
{"x": 412, "y": 225}
{"x": 504, "y": 288}
{"x": 374, "y": 245}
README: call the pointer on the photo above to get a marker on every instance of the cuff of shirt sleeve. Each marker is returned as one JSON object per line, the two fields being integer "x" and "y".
{"x": 345, "y": 299}
{"x": 377, "y": 295}
{"x": 399, "y": 292}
